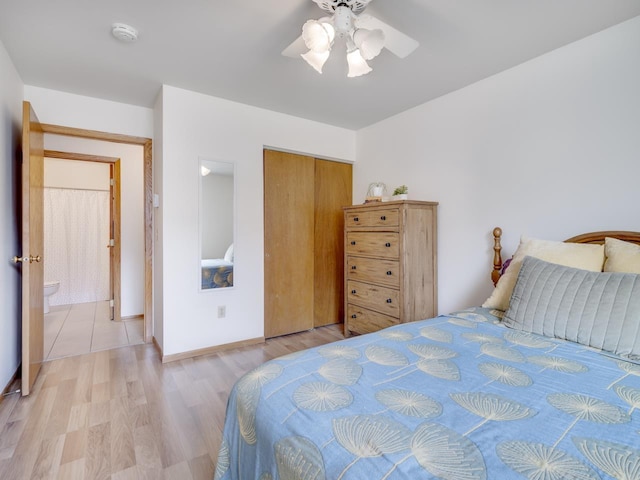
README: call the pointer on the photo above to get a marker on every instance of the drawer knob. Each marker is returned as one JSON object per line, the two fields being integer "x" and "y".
{"x": 353, "y": 292}
{"x": 387, "y": 244}
{"x": 388, "y": 300}
{"x": 383, "y": 218}
{"x": 353, "y": 242}
{"x": 389, "y": 272}
{"x": 354, "y": 316}
{"x": 353, "y": 267}
{"x": 356, "y": 219}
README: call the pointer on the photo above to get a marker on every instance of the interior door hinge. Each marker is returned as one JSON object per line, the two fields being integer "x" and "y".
{"x": 112, "y": 242}
{"x": 112, "y": 182}
{"x": 111, "y": 302}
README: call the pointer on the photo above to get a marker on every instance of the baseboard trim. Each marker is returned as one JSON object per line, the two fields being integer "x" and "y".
{"x": 133, "y": 317}
{"x": 209, "y": 350}
{"x": 7, "y": 387}
{"x": 157, "y": 346}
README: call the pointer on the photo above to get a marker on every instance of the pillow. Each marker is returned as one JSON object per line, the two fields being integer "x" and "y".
{"x": 621, "y": 256}
{"x": 228, "y": 255}
{"x": 577, "y": 255}
{"x": 598, "y": 309}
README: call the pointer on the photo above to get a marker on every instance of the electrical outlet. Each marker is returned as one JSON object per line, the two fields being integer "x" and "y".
{"x": 222, "y": 311}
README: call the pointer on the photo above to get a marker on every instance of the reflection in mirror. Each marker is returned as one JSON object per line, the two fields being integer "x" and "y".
{"x": 216, "y": 224}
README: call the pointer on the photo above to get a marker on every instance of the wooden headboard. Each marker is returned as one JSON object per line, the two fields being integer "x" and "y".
{"x": 592, "y": 237}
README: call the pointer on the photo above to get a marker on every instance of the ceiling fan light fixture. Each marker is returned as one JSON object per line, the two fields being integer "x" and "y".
{"x": 343, "y": 20}
{"x": 316, "y": 59}
{"x": 318, "y": 35}
{"x": 365, "y": 37}
{"x": 369, "y": 42}
{"x": 357, "y": 65}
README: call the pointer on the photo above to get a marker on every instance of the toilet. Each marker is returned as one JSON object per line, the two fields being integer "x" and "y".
{"x": 49, "y": 289}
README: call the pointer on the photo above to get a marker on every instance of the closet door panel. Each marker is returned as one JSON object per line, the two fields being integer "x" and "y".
{"x": 333, "y": 187}
{"x": 289, "y": 196}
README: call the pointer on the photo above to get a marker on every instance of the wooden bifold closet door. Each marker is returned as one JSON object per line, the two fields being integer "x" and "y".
{"x": 303, "y": 228}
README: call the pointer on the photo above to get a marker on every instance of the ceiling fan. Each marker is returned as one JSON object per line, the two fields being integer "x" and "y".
{"x": 365, "y": 37}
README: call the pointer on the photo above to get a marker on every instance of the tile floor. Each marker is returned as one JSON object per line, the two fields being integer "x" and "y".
{"x": 85, "y": 327}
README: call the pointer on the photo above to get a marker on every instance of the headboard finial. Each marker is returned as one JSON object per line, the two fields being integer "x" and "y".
{"x": 497, "y": 256}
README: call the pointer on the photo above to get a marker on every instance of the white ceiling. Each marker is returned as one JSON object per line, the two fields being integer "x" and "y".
{"x": 231, "y": 49}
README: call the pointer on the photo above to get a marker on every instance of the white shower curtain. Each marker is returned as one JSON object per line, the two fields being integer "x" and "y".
{"x": 76, "y": 235}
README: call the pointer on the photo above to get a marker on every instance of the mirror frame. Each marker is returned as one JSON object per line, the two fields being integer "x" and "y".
{"x": 201, "y": 220}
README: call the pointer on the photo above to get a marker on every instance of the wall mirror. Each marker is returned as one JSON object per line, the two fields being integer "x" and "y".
{"x": 216, "y": 224}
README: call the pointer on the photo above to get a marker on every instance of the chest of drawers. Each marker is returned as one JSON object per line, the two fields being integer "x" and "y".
{"x": 390, "y": 264}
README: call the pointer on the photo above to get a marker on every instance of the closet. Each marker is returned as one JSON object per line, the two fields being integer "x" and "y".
{"x": 303, "y": 241}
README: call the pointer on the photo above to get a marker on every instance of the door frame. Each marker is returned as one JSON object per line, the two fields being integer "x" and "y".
{"x": 147, "y": 145}
{"x": 115, "y": 255}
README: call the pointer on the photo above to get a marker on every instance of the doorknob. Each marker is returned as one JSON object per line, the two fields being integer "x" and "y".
{"x": 29, "y": 259}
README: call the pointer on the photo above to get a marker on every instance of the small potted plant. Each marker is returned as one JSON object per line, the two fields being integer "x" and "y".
{"x": 401, "y": 193}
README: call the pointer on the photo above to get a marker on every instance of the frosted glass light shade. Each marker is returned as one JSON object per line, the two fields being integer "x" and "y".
{"x": 357, "y": 65}
{"x": 318, "y": 36}
{"x": 315, "y": 59}
{"x": 369, "y": 42}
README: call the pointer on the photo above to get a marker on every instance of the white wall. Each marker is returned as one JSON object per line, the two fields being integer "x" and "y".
{"x": 198, "y": 126}
{"x": 549, "y": 148}
{"x": 75, "y": 174}
{"x": 78, "y": 111}
{"x": 11, "y": 91}
{"x": 158, "y": 224}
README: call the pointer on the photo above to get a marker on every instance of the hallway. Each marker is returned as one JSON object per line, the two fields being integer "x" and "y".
{"x": 85, "y": 327}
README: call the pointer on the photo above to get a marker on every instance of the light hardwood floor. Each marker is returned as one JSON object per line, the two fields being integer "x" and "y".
{"x": 121, "y": 414}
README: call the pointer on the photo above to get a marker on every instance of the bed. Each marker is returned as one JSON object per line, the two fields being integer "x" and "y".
{"x": 475, "y": 394}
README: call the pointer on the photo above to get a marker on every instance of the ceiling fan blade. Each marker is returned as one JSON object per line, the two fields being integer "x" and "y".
{"x": 396, "y": 42}
{"x": 296, "y": 48}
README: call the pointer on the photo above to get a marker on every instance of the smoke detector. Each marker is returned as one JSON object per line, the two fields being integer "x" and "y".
{"x": 123, "y": 32}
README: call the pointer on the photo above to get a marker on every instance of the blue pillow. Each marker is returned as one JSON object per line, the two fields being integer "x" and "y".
{"x": 598, "y": 309}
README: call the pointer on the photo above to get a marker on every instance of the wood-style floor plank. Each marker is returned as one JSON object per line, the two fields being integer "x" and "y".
{"x": 121, "y": 414}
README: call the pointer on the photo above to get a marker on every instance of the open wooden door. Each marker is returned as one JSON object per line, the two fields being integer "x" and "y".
{"x": 32, "y": 247}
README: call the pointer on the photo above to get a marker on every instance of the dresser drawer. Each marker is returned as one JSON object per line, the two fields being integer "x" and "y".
{"x": 388, "y": 217}
{"x": 360, "y": 320}
{"x": 373, "y": 244}
{"x": 381, "y": 299}
{"x": 373, "y": 270}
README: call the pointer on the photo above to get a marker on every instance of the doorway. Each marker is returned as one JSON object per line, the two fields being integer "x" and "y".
{"x": 31, "y": 206}
{"x": 82, "y": 225}
{"x": 147, "y": 195}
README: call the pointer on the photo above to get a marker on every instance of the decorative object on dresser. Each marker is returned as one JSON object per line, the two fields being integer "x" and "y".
{"x": 400, "y": 193}
{"x": 375, "y": 192}
{"x": 390, "y": 264}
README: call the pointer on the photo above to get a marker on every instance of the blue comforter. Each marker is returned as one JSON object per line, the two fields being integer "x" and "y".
{"x": 454, "y": 397}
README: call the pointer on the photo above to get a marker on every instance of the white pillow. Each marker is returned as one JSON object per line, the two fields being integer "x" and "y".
{"x": 621, "y": 256}
{"x": 228, "y": 255}
{"x": 577, "y": 255}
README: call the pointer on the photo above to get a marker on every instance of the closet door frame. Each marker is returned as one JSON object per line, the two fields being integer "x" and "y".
{"x": 303, "y": 241}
